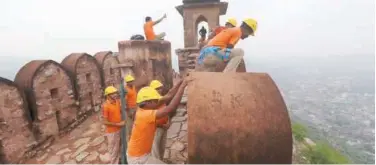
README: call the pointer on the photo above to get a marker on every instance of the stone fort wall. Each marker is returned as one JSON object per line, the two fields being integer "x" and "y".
{"x": 48, "y": 99}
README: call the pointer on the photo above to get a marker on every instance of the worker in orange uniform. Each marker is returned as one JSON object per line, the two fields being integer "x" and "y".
{"x": 164, "y": 123}
{"x": 230, "y": 23}
{"x": 221, "y": 48}
{"x": 112, "y": 121}
{"x": 149, "y": 30}
{"x": 140, "y": 144}
{"x": 131, "y": 104}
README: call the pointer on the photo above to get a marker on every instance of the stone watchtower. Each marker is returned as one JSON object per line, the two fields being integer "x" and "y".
{"x": 194, "y": 12}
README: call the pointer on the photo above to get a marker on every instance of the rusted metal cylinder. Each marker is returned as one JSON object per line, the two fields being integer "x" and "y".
{"x": 241, "y": 67}
{"x": 237, "y": 118}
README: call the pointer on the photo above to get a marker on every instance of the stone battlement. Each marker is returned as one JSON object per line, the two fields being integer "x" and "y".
{"x": 47, "y": 99}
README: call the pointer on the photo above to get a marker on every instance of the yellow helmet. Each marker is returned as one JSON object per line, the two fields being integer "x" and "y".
{"x": 232, "y": 21}
{"x": 155, "y": 84}
{"x": 110, "y": 90}
{"x": 146, "y": 94}
{"x": 252, "y": 24}
{"x": 128, "y": 78}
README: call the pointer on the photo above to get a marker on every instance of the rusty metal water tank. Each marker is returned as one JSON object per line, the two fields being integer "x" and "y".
{"x": 237, "y": 118}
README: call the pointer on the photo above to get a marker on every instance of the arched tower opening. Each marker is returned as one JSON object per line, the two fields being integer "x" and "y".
{"x": 202, "y": 27}
{"x": 196, "y": 11}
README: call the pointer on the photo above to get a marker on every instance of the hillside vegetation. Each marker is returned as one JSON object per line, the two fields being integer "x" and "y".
{"x": 308, "y": 152}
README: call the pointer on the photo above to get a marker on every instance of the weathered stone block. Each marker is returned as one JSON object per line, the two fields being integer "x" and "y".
{"x": 184, "y": 56}
{"x": 108, "y": 63}
{"x": 15, "y": 136}
{"x": 46, "y": 127}
{"x": 150, "y": 59}
{"x": 54, "y": 160}
{"x": 173, "y": 130}
{"x": 178, "y": 146}
{"x": 93, "y": 156}
{"x": 178, "y": 119}
{"x": 88, "y": 75}
{"x": 47, "y": 83}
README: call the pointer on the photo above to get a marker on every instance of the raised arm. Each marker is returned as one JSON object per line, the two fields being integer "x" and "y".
{"x": 170, "y": 94}
{"x": 174, "y": 102}
{"x": 159, "y": 20}
{"x": 212, "y": 33}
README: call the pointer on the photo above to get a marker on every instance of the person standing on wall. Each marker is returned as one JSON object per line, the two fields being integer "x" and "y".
{"x": 131, "y": 105}
{"x": 163, "y": 123}
{"x": 202, "y": 34}
{"x": 149, "y": 30}
{"x": 141, "y": 141}
{"x": 112, "y": 121}
{"x": 221, "y": 48}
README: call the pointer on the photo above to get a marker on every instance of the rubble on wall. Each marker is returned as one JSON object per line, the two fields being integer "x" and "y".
{"x": 150, "y": 58}
{"x": 15, "y": 123}
{"x": 89, "y": 85}
{"x": 108, "y": 63}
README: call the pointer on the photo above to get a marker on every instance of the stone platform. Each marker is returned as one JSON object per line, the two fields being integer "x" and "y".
{"x": 87, "y": 144}
{"x": 84, "y": 145}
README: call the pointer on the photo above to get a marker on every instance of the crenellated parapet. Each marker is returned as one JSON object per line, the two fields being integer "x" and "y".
{"x": 107, "y": 62}
{"x": 50, "y": 94}
{"x": 16, "y": 135}
{"x": 87, "y": 74}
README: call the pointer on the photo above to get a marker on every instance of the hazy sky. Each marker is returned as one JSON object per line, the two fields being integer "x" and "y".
{"x": 51, "y": 29}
